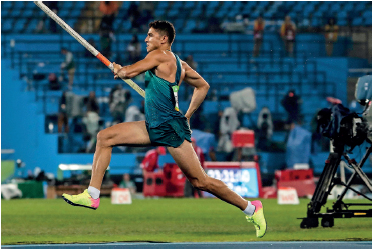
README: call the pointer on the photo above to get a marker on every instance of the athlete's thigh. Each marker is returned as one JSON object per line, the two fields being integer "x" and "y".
{"x": 187, "y": 160}
{"x": 126, "y": 133}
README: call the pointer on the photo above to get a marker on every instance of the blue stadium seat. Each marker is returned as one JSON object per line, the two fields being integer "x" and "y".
{"x": 71, "y": 22}
{"x": 357, "y": 21}
{"x": 309, "y": 7}
{"x": 6, "y": 25}
{"x": 349, "y": 6}
{"x": 250, "y": 3}
{"x": 173, "y": 13}
{"x": 323, "y": 7}
{"x": 29, "y": 5}
{"x": 27, "y": 13}
{"x": 213, "y": 4}
{"x": 341, "y": 14}
{"x": 79, "y": 4}
{"x": 368, "y": 22}
{"x": 159, "y": 12}
{"x": 247, "y": 8}
{"x": 19, "y": 25}
{"x": 163, "y": 5}
{"x": 75, "y": 13}
{"x": 126, "y": 25}
{"x": 295, "y": 78}
{"x": 6, "y": 4}
{"x": 126, "y": 4}
{"x": 210, "y": 12}
{"x": 299, "y": 7}
{"x": 18, "y": 5}
{"x": 178, "y": 5}
{"x": 316, "y": 22}
{"x": 360, "y": 6}
{"x": 203, "y": 24}
{"x": 63, "y": 13}
{"x": 179, "y": 23}
{"x": 221, "y": 13}
{"x": 263, "y": 3}
{"x": 189, "y": 4}
{"x": 190, "y": 25}
{"x": 15, "y": 12}
{"x": 293, "y": 15}
{"x": 67, "y": 4}
{"x": 342, "y": 22}
{"x": 200, "y": 4}
{"x": 116, "y": 24}
{"x": 335, "y": 8}
{"x": 228, "y": 4}
{"x": 367, "y": 14}
{"x": 268, "y": 15}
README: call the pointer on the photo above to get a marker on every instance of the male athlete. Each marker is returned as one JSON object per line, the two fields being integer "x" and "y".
{"x": 164, "y": 125}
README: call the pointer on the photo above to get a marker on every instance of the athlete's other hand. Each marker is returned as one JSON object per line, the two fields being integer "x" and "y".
{"x": 188, "y": 118}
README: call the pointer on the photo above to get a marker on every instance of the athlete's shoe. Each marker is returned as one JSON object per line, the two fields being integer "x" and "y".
{"x": 83, "y": 200}
{"x": 258, "y": 219}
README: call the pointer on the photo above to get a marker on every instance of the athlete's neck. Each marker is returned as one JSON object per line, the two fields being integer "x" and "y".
{"x": 168, "y": 48}
{"x": 165, "y": 46}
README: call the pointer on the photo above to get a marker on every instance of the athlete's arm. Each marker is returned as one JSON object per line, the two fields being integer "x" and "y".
{"x": 152, "y": 60}
{"x": 200, "y": 91}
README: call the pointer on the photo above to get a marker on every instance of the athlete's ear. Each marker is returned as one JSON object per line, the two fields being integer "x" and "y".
{"x": 164, "y": 39}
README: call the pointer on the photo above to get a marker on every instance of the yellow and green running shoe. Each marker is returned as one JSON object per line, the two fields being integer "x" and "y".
{"x": 258, "y": 219}
{"x": 83, "y": 200}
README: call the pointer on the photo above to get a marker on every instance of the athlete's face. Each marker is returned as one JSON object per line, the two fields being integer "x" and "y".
{"x": 153, "y": 40}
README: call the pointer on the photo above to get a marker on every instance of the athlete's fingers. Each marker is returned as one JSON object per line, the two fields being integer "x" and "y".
{"x": 116, "y": 67}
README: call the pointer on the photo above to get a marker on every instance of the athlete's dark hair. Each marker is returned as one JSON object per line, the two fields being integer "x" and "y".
{"x": 165, "y": 28}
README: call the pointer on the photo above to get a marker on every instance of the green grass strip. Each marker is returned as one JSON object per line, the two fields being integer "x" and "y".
{"x": 34, "y": 221}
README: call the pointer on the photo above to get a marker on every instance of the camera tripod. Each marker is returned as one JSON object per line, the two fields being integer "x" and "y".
{"x": 325, "y": 185}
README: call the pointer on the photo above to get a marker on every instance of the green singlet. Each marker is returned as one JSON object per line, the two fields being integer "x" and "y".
{"x": 164, "y": 122}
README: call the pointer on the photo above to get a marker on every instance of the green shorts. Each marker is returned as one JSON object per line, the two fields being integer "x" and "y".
{"x": 171, "y": 133}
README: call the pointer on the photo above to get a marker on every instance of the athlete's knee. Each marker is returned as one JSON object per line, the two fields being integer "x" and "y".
{"x": 201, "y": 183}
{"x": 102, "y": 139}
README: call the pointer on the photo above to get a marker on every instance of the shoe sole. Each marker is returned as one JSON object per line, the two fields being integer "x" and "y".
{"x": 266, "y": 224}
{"x": 77, "y": 205}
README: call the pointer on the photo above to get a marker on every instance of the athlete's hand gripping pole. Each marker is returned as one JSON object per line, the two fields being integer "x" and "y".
{"x": 83, "y": 42}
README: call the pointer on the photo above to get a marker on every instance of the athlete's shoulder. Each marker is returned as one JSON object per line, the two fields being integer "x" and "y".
{"x": 158, "y": 53}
